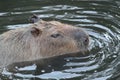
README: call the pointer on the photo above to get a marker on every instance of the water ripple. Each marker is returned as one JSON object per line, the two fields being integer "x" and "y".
{"x": 100, "y": 19}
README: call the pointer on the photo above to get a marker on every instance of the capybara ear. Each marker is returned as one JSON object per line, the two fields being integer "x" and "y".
{"x": 34, "y": 18}
{"x": 36, "y": 31}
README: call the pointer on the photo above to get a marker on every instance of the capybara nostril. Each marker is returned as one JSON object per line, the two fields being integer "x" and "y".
{"x": 86, "y": 41}
{"x": 34, "y": 18}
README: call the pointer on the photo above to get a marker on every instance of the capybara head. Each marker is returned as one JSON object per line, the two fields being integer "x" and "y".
{"x": 54, "y": 38}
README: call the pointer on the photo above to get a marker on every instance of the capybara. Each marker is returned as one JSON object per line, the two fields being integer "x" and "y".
{"x": 42, "y": 39}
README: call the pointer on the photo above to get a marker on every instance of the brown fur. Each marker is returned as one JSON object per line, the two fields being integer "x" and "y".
{"x": 35, "y": 42}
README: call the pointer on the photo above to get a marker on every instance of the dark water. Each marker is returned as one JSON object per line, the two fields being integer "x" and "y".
{"x": 100, "y": 18}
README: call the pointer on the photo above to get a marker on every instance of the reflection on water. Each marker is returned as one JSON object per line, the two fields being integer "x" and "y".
{"x": 100, "y": 18}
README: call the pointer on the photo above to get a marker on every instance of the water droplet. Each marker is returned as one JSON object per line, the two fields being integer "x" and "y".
{"x": 16, "y": 67}
{"x": 43, "y": 71}
{"x": 95, "y": 71}
{"x": 68, "y": 60}
{"x": 65, "y": 13}
{"x": 114, "y": 56}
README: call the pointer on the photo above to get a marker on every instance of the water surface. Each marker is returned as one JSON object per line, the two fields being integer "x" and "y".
{"x": 100, "y": 19}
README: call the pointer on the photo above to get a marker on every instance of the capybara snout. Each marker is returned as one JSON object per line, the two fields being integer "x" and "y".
{"x": 81, "y": 36}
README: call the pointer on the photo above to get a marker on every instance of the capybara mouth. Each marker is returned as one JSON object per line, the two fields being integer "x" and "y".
{"x": 82, "y": 48}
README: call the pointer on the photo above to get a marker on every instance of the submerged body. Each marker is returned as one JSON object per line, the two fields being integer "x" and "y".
{"x": 42, "y": 39}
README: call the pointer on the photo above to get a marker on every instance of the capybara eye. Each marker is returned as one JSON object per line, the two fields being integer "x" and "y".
{"x": 55, "y": 35}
